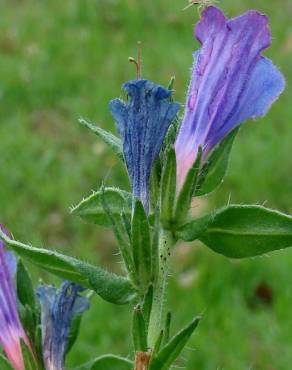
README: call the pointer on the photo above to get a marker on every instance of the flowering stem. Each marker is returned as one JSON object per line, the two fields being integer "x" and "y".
{"x": 157, "y": 313}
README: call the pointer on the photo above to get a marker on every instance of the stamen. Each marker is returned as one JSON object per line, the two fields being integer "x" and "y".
{"x": 138, "y": 62}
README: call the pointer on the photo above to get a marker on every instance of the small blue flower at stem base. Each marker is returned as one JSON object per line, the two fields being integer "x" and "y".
{"x": 58, "y": 309}
{"x": 231, "y": 81}
{"x": 11, "y": 329}
{"x": 143, "y": 123}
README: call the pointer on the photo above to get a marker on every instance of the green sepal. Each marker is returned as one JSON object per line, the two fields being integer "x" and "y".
{"x": 4, "y": 363}
{"x": 139, "y": 330}
{"x": 147, "y": 305}
{"x": 91, "y": 208}
{"x": 214, "y": 170}
{"x": 155, "y": 247}
{"x": 167, "y": 328}
{"x": 185, "y": 195}
{"x": 122, "y": 234}
{"x": 111, "y": 287}
{"x": 240, "y": 231}
{"x": 168, "y": 189}
{"x": 28, "y": 319}
{"x": 25, "y": 290}
{"x": 169, "y": 353}
{"x": 141, "y": 244}
{"x": 28, "y": 358}
{"x": 108, "y": 138}
{"x": 107, "y": 362}
{"x": 155, "y": 183}
{"x": 158, "y": 343}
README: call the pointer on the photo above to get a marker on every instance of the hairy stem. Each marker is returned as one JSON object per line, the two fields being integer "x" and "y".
{"x": 157, "y": 313}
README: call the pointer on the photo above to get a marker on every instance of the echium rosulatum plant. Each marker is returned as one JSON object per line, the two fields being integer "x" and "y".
{"x": 169, "y": 163}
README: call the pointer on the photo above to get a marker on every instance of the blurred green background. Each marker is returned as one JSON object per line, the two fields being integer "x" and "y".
{"x": 60, "y": 60}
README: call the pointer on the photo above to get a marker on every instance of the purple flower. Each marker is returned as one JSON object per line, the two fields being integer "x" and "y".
{"x": 143, "y": 123}
{"x": 11, "y": 330}
{"x": 231, "y": 82}
{"x": 58, "y": 309}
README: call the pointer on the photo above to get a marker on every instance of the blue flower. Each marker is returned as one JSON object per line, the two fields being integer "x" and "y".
{"x": 143, "y": 123}
{"x": 231, "y": 81}
{"x": 11, "y": 330}
{"x": 58, "y": 309}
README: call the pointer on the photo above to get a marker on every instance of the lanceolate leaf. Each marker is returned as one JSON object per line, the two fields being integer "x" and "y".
{"x": 110, "y": 287}
{"x": 242, "y": 231}
{"x": 213, "y": 172}
{"x": 111, "y": 140}
{"x": 172, "y": 350}
{"x": 91, "y": 208}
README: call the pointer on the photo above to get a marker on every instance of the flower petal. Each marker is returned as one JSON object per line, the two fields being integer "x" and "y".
{"x": 58, "y": 310}
{"x": 230, "y": 83}
{"x": 143, "y": 122}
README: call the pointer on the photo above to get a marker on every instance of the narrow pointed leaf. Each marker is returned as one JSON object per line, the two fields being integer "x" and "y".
{"x": 168, "y": 189}
{"x": 108, "y": 138}
{"x": 109, "y": 286}
{"x": 172, "y": 350}
{"x": 139, "y": 331}
{"x": 147, "y": 305}
{"x": 214, "y": 171}
{"x": 185, "y": 196}
{"x": 141, "y": 244}
{"x": 158, "y": 343}
{"x": 192, "y": 230}
{"x": 91, "y": 208}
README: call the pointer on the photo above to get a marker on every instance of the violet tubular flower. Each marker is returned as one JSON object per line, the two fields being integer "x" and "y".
{"x": 11, "y": 330}
{"x": 58, "y": 309}
{"x": 231, "y": 81}
{"x": 143, "y": 123}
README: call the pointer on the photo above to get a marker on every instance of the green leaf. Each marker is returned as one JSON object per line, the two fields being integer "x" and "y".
{"x": 141, "y": 244}
{"x": 139, "y": 330}
{"x": 111, "y": 362}
{"x": 168, "y": 189}
{"x": 245, "y": 231}
{"x": 111, "y": 287}
{"x": 158, "y": 343}
{"x": 213, "y": 172}
{"x": 28, "y": 358}
{"x": 185, "y": 196}
{"x": 91, "y": 208}
{"x": 4, "y": 363}
{"x": 147, "y": 305}
{"x": 25, "y": 291}
{"x": 108, "y": 138}
{"x": 172, "y": 350}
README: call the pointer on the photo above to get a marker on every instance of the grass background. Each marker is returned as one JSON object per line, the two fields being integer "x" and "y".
{"x": 60, "y": 60}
